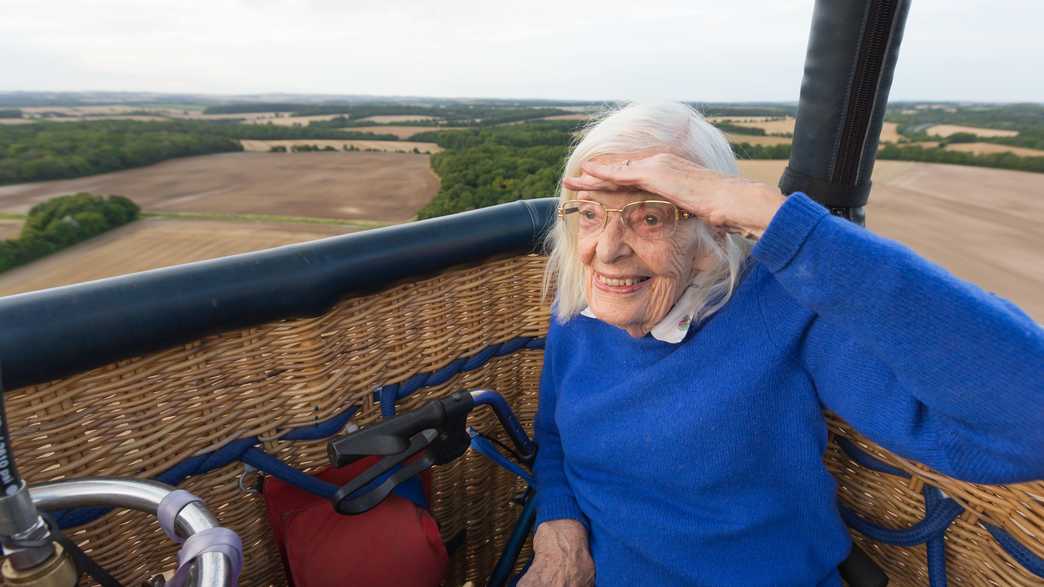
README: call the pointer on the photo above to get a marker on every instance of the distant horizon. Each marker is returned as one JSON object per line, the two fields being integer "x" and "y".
{"x": 262, "y": 97}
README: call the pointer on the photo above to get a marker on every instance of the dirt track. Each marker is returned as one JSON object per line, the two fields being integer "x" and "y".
{"x": 10, "y": 228}
{"x": 369, "y": 186}
{"x": 983, "y": 225}
{"x": 151, "y": 244}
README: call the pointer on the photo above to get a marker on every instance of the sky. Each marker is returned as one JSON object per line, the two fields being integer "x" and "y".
{"x": 700, "y": 50}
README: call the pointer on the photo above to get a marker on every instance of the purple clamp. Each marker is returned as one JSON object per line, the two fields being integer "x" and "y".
{"x": 221, "y": 540}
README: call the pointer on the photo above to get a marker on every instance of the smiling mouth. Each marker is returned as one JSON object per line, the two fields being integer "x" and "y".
{"x": 619, "y": 285}
{"x": 618, "y": 281}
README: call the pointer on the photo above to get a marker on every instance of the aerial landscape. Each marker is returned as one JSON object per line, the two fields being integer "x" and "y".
{"x": 255, "y": 174}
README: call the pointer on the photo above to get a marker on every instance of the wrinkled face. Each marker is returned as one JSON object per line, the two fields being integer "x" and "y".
{"x": 631, "y": 282}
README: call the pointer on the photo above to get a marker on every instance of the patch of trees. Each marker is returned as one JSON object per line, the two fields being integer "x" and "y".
{"x": 252, "y": 107}
{"x": 486, "y": 166}
{"x": 62, "y": 222}
{"x": 749, "y": 151}
{"x": 739, "y": 129}
{"x": 447, "y": 115}
{"x": 13, "y": 113}
{"x": 774, "y": 110}
{"x": 34, "y": 152}
{"x": 939, "y": 155}
{"x": 483, "y": 167}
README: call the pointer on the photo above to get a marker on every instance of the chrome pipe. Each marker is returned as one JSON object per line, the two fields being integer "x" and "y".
{"x": 212, "y": 569}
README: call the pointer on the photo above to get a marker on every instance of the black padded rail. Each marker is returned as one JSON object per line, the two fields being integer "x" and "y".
{"x": 852, "y": 51}
{"x": 58, "y": 332}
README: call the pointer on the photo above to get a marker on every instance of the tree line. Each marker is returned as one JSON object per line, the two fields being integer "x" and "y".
{"x": 487, "y": 166}
{"x": 62, "y": 222}
{"x": 42, "y": 151}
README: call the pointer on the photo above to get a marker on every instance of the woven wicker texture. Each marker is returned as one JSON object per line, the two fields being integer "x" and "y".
{"x": 141, "y": 416}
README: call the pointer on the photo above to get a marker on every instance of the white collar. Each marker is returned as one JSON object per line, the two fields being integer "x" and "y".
{"x": 675, "y": 325}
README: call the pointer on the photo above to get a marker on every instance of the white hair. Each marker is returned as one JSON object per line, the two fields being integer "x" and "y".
{"x": 682, "y": 131}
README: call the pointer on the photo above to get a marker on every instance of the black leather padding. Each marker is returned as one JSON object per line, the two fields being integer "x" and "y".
{"x": 833, "y": 79}
{"x": 54, "y": 333}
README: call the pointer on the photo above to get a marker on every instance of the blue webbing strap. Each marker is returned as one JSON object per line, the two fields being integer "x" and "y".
{"x": 940, "y": 512}
{"x": 484, "y": 447}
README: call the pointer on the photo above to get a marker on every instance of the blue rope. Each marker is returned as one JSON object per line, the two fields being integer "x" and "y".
{"x": 940, "y": 512}
{"x": 1020, "y": 553}
{"x": 868, "y": 460}
{"x": 938, "y": 516}
{"x": 399, "y": 391}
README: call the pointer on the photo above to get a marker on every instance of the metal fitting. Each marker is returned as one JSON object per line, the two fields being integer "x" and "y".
{"x": 17, "y": 512}
{"x": 25, "y": 538}
{"x": 56, "y": 571}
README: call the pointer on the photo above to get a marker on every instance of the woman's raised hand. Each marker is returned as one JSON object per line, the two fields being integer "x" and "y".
{"x": 560, "y": 557}
{"x": 731, "y": 203}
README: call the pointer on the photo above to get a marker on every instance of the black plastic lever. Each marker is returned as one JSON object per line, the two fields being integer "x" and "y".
{"x": 438, "y": 428}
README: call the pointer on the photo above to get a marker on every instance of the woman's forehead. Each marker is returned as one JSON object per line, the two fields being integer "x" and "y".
{"x": 616, "y": 199}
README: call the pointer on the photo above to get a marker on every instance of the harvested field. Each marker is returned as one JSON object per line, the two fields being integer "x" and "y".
{"x": 945, "y": 130}
{"x": 757, "y": 140}
{"x": 370, "y": 186}
{"x": 890, "y": 133}
{"x": 988, "y": 148}
{"x": 389, "y": 146}
{"x": 983, "y": 225}
{"x": 403, "y": 132}
{"x": 151, "y": 244}
{"x": 250, "y": 116}
{"x": 568, "y": 117}
{"x": 288, "y": 120}
{"x": 385, "y": 118}
{"x": 922, "y": 144}
{"x": 772, "y": 127}
{"x": 10, "y": 228}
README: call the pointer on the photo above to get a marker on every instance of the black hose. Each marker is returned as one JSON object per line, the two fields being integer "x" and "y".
{"x": 10, "y": 480}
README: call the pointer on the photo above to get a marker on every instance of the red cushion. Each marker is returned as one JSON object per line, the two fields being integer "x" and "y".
{"x": 395, "y": 543}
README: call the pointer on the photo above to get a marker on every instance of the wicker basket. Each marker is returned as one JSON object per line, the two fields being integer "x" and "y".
{"x": 139, "y": 417}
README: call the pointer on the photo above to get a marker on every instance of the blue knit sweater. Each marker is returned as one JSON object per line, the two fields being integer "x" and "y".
{"x": 700, "y": 463}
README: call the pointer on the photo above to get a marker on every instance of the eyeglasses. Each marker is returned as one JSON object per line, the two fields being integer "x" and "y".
{"x": 649, "y": 219}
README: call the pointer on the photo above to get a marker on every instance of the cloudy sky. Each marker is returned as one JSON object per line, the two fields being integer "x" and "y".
{"x": 989, "y": 50}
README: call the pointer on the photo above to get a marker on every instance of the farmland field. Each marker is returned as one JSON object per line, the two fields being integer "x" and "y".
{"x": 385, "y": 118}
{"x": 151, "y": 244}
{"x": 403, "y": 132}
{"x": 289, "y": 120}
{"x": 945, "y": 130}
{"x": 370, "y": 186}
{"x": 987, "y": 148}
{"x": 889, "y": 131}
{"x": 981, "y": 224}
{"x": 389, "y": 146}
{"x": 757, "y": 139}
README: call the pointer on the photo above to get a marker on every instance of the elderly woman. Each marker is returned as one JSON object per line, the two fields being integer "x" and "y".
{"x": 681, "y": 425}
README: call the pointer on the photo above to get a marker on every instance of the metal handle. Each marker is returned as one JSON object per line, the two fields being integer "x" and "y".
{"x": 212, "y": 568}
